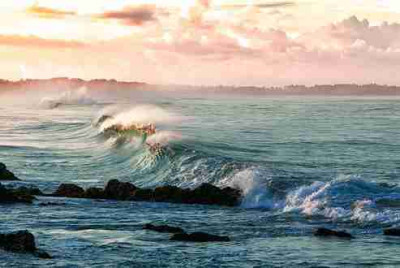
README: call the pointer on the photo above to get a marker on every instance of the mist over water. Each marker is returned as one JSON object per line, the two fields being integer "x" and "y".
{"x": 301, "y": 162}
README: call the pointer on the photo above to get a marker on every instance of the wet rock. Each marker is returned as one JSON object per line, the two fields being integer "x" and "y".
{"x": 14, "y": 196}
{"x": 205, "y": 194}
{"x": 169, "y": 194}
{"x": 119, "y": 190}
{"x": 143, "y": 195}
{"x": 163, "y": 228}
{"x": 28, "y": 191}
{"x": 6, "y": 175}
{"x": 70, "y": 190}
{"x": 21, "y": 242}
{"x": 324, "y": 232}
{"x": 211, "y": 195}
{"x": 42, "y": 254}
{"x": 392, "y": 231}
{"x": 199, "y": 237}
{"x": 94, "y": 193}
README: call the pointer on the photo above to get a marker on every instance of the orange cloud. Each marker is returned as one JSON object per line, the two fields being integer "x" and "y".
{"x": 34, "y": 41}
{"x": 134, "y": 16}
{"x": 45, "y": 12}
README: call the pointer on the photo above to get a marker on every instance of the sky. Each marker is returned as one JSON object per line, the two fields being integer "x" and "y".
{"x": 203, "y": 42}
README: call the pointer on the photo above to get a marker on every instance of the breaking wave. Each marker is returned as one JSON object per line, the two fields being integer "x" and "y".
{"x": 168, "y": 157}
{"x": 345, "y": 198}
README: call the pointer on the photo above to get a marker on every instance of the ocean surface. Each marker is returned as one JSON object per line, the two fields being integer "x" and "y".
{"x": 301, "y": 162}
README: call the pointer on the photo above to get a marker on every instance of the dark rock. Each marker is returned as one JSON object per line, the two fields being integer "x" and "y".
{"x": 69, "y": 190}
{"x": 199, "y": 237}
{"x": 392, "y": 231}
{"x": 163, "y": 228}
{"x": 94, "y": 193}
{"x": 331, "y": 233}
{"x": 21, "y": 242}
{"x": 168, "y": 194}
{"x": 42, "y": 254}
{"x": 6, "y": 175}
{"x": 119, "y": 190}
{"x": 211, "y": 195}
{"x": 205, "y": 194}
{"x": 143, "y": 195}
{"x": 14, "y": 196}
{"x": 27, "y": 191}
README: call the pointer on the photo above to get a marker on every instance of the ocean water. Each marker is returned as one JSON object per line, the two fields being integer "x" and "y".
{"x": 302, "y": 162}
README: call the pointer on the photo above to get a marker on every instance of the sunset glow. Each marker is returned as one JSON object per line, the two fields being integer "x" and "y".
{"x": 190, "y": 41}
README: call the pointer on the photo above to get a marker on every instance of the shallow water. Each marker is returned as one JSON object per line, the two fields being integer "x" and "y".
{"x": 302, "y": 162}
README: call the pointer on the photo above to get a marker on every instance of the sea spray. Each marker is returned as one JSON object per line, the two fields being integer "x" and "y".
{"x": 79, "y": 96}
{"x": 141, "y": 114}
{"x": 253, "y": 184}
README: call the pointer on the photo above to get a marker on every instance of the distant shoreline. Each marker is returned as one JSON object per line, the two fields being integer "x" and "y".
{"x": 104, "y": 84}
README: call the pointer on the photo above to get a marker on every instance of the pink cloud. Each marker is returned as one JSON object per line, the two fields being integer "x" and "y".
{"x": 34, "y": 41}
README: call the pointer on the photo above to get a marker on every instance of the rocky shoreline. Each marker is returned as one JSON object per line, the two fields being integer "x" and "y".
{"x": 205, "y": 194}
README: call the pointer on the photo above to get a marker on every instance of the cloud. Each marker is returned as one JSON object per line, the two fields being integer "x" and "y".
{"x": 348, "y": 51}
{"x": 134, "y": 16}
{"x": 45, "y": 12}
{"x": 260, "y": 5}
{"x": 37, "y": 42}
{"x": 214, "y": 50}
{"x": 353, "y": 34}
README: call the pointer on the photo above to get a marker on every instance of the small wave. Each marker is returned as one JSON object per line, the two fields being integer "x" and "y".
{"x": 75, "y": 97}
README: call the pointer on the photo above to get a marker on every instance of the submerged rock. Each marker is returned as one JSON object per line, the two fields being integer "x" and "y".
{"x": 6, "y": 175}
{"x": 51, "y": 204}
{"x": 69, "y": 190}
{"x": 331, "y": 233}
{"x": 119, "y": 190}
{"x": 392, "y": 231}
{"x": 163, "y": 228}
{"x": 199, "y": 237}
{"x": 15, "y": 196}
{"x": 21, "y": 242}
{"x": 387, "y": 202}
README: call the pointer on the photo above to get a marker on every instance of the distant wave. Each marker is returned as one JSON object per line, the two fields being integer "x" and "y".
{"x": 75, "y": 97}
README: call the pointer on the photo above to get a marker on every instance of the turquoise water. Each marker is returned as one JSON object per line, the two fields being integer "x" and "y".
{"x": 302, "y": 162}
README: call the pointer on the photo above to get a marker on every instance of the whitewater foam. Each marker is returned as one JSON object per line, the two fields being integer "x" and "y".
{"x": 72, "y": 97}
{"x": 336, "y": 200}
{"x": 142, "y": 114}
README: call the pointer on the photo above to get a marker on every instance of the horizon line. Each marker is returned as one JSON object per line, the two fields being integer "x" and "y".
{"x": 113, "y": 80}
